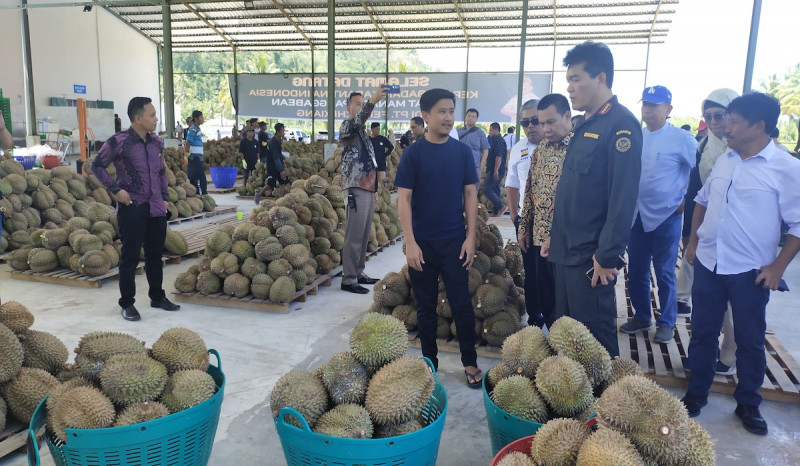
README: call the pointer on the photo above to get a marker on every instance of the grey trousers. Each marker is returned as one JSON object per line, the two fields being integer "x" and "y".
{"x": 356, "y": 234}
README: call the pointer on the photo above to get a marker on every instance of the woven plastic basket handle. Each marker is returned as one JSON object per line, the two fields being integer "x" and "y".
{"x": 289, "y": 410}
{"x": 216, "y": 354}
{"x": 37, "y": 422}
{"x": 430, "y": 364}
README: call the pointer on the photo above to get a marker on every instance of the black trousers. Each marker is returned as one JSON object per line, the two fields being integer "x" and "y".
{"x": 441, "y": 257}
{"x": 136, "y": 229}
{"x": 545, "y": 286}
{"x": 531, "y": 298}
{"x": 594, "y": 307}
{"x": 197, "y": 175}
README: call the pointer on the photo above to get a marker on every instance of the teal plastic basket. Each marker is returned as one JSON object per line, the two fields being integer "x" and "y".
{"x": 420, "y": 448}
{"x": 180, "y": 439}
{"x": 504, "y": 427}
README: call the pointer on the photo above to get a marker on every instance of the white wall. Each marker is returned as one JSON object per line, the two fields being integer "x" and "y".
{"x": 70, "y": 46}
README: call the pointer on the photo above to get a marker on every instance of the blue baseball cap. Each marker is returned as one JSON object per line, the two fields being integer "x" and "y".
{"x": 656, "y": 95}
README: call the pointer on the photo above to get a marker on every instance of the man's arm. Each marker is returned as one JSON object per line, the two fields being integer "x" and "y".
{"x": 105, "y": 157}
{"x": 771, "y": 274}
{"x": 413, "y": 252}
{"x": 697, "y": 220}
{"x": 471, "y": 212}
{"x": 484, "y": 156}
{"x": 276, "y": 154}
{"x": 513, "y": 201}
{"x": 6, "y": 141}
{"x": 526, "y": 217}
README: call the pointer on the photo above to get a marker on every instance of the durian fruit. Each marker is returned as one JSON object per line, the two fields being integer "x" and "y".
{"x": 282, "y": 290}
{"x": 347, "y": 421}
{"x": 407, "y": 315}
{"x": 558, "y": 441}
{"x": 571, "y": 338}
{"x": 302, "y": 391}
{"x": 26, "y": 390}
{"x": 516, "y": 458}
{"x": 132, "y": 378}
{"x": 44, "y": 351}
{"x": 524, "y": 350}
{"x": 398, "y": 391}
{"x": 15, "y": 316}
{"x": 260, "y": 285}
{"x": 187, "y": 388}
{"x": 180, "y": 349}
{"x": 236, "y": 285}
{"x": 208, "y": 283}
{"x": 700, "y": 450}
{"x": 225, "y": 264}
{"x": 141, "y": 412}
{"x": 394, "y": 430}
{"x": 80, "y": 408}
{"x": 13, "y": 354}
{"x": 345, "y": 378}
{"x": 3, "y": 414}
{"x": 96, "y": 347}
{"x": 378, "y": 339}
{"x": 496, "y": 374}
{"x": 651, "y": 417}
{"x": 175, "y": 243}
{"x": 517, "y": 395}
{"x": 186, "y": 282}
{"x": 217, "y": 243}
{"x": 607, "y": 446}
{"x": 64, "y": 387}
{"x": 622, "y": 367}
{"x": 498, "y": 327}
{"x": 563, "y": 384}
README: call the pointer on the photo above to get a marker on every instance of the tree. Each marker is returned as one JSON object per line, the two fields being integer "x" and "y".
{"x": 786, "y": 90}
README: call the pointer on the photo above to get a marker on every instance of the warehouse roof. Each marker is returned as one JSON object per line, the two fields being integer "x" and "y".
{"x": 213, "y": 25}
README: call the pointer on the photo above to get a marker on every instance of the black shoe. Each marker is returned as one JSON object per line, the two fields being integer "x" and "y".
{"x": 164, "y": 304}
{"x": 751, "y": 419}
{"x": 693, "y": 405}
{"x": 130, "y": 313}
{"x": 365, "y": 280}
{"x": 355, "y": 288}
{"x": 684, "y": 309}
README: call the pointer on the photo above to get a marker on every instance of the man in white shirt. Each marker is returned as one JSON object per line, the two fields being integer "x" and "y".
{"x": 735, "y": 231}
{"x": 519, "y": 164}
{"x": 509, "y": 138}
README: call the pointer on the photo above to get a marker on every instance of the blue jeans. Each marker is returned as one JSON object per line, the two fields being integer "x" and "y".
{"x": 660, "y": 246}
{"x": 710, "y": 295}
{"x": 491, "y": 188}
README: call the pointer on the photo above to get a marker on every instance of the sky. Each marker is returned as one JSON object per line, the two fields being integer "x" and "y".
{"x": 706, "y": 49}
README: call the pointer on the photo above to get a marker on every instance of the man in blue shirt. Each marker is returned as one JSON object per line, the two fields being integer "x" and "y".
{"x": 735, "y": 231}
{"x": 668, "y": 154}
{"x": 475, "y": 138}
{"x": 436, "y": 191}
{"x": 194, "y": 154}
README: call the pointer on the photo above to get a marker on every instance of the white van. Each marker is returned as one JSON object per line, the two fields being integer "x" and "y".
{"x": 294, "y": 134}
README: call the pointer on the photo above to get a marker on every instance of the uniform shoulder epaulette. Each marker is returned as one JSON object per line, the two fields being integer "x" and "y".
{"x": 605, "y": 108}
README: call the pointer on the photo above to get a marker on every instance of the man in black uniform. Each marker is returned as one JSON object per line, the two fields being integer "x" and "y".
{"x": 248, "y": 150}
{"x": 596, "y": 195}
{"x": 383, "y": 147}
{"x": 276, "y": 174}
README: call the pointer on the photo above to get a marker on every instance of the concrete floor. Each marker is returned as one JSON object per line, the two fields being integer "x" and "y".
{"x": 257, "y": 348}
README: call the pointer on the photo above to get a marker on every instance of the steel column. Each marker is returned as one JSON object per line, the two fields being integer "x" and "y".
{"x": 30, "y": 102}
{"x": 755, "y": 19}
{"x": 313, "y": 135}
{"x": 169, "y": 85}
{"x": 521, "y": 76}
{"x": 329, "y": 148}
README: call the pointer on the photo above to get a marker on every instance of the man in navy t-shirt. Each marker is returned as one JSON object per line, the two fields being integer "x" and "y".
{"x": 436, "y": 182}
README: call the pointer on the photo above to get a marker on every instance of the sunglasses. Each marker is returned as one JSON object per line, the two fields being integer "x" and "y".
{"x": 718, "y": 117}
{"x": 526, "y": 122}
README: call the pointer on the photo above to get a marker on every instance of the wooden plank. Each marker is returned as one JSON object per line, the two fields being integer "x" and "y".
{"x": 783, "y": 356}
{"x": 13, "y": 438}
{"x": 641, "y": 351}
{"x": 658, "y": 354}
{"x": 68, "y": 277}
{"x": 778, "y": 375}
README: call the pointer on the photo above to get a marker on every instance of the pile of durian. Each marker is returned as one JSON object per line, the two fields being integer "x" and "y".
{"x": 555, "y": 383}
{"x": 222, "y": 152}
{"x": 503, "y": 196}
{"x": 495, "y": 284}
{"x": 115, "y": 379}
{"x": 371, "y": 391}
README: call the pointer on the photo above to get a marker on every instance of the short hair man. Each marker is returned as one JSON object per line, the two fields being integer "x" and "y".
{"x": 509, "y": 137}
{"x": 382, "y": 147}
{"x": 596, "y": 195}
{"x": 752, "y": 187}
{"x": 668, "y": 155}
{"x": 360, "y": 185}
{"x": 140, "y": 189}
{"x": 251, "y": 123}
{"x": 248, "y": 151}
{"x": 436, "y": 187}
{"x": 417, "y": 128}
{"x": 475, "y": 138}
{"x": 536, "y": 219}
{"x": 519, "y": 164}
{"x": 273, "y": 159}
{"x": 495, "y": 169}
{"x": 193, "y": 149}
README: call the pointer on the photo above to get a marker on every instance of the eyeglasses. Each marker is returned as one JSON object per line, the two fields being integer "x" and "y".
{"x": 534, "y": 121}
{"x": 718, "y": 117}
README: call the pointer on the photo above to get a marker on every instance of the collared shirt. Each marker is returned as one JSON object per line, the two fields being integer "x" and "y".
{"x": 497, "y": 148}
{"x": 519, "y": 164}
{"x": 596, "y": 195}
{"x": 140, "y": 169}
{"x": 382, "y": 148}
{"x": 195, "y": 139}
{"x": 540, "y": 190}
{"x": 745, "y": 201}
{"x": 510, "y": 140}
{"x": 668, "y": 155}
{"x": 359, "y": 167}
{"x": 475, "y": 138}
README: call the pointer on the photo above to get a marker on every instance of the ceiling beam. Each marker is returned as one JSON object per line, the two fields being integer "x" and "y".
{"x": 132, "y": 26}
{"x": 655, "y": 16}
{"x": 211, "y": 26}
{"x": 375, "y": 23}
{"x": 294, "y": 23}
{"x": 461, "y": 20}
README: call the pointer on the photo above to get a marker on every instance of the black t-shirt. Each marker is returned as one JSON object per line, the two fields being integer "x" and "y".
{"x": 250, "y": 151}
{"x": 383, "y": 147}
{"x": 274, "y": 157}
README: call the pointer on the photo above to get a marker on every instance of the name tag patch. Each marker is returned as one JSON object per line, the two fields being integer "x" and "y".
{"x": 591, "y": 135}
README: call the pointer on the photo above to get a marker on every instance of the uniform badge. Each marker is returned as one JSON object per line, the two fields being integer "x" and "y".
{"x": 591, "y": 135}
{"x": 605, "y": 108}
{"x": 623, "y": 144}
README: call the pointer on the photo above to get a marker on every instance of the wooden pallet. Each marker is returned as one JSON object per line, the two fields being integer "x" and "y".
{"x": 450, "y": 345}
{"x": 252, "y": 303}
{"x": 219, "y": 210}
{"x": 664, "y": 363}
{"x": 68, "y": 277}
{"x": 14, "y": 438}
{"x": 391, "y": 242}
{"x": 196, "y": 239}
{"x": 247, "y": 198}
{"x": 221, "y": 190}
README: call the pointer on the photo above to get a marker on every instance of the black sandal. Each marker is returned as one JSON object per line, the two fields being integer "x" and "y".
{"x": 476, "y": 383}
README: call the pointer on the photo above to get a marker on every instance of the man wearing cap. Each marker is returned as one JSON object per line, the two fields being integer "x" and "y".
{"x": 668, "y": 155}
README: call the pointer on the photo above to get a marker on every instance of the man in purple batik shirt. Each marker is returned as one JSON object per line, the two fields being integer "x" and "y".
{"x": 140, "y": 189}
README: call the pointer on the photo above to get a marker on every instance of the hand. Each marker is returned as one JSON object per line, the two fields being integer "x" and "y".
{"x": 414, "y": 256}
{"x": 467, "y": 252}
{"x": 771, "y": 275}
{"x": 690, "y": 251}
{"x": 375, "y": 196}
{"x": 496, "y": 175}
{"x": 545, "y": 251}
{"x": 524, "y": 242}
{"x": 603, "y": 275}
{"x": 378, "y": 95}
{"x": 684, "y": 243}
{"x": 123, "y": 197}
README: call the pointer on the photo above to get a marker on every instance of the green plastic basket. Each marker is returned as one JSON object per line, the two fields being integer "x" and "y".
{"x": 180, "y": 439}
{"x": 420, "y": 448}
{"x": 504, "y": 427}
